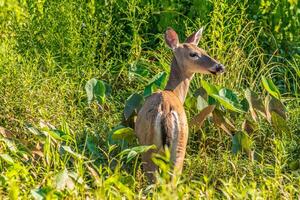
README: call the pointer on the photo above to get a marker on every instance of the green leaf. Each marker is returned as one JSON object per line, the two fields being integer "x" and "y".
{"x": 37, "y": 194}
{"x": 294, "y": 165}
{"x": 70, "y": 151}
{"x": 190, "y": 102}
{"x": 157, "y": 82}
{"x": 149, "y": 89}
{"x": 201, "y": 103}
{"x": 132, "y": 104}
{"x": 245, "y": 105}
{"x": 107, "y": 89}
{"x": 95, "y": 90}
{"x": 202, "y": 92}
{"x": 274, "y": 105}
{"x": 61, "y": 179}
{"x": 241, "y": 141}
{"x": 124, "y": 133}
{"x": 209, "y": 88}
{"x": 228, "y": 99}
{"x": 92, "y": 147}
{"x": 133, "y": 152}
{"x": 270, "y": 87}
{"x": 7, "y": 158}
{"x": 278, "y": 123}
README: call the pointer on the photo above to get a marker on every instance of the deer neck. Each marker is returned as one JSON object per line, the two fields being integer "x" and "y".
{"x": 179, "y": 81}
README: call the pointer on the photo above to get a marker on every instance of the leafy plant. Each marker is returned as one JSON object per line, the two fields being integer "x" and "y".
{"x": 96, "y": 90}
{"x": 226, "y": 102}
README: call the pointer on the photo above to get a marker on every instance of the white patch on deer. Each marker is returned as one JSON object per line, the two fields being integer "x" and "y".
{"x": 157, "y": 131}
{"x": 175, "y": 131}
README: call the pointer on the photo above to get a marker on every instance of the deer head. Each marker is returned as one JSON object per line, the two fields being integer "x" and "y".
{"x": 190, "y": 58}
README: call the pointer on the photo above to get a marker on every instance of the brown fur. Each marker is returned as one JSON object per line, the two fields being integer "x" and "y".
{"x": 162, "y": 119}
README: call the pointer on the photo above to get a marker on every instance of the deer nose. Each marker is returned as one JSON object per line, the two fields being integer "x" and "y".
{"x": 220, "y": 68}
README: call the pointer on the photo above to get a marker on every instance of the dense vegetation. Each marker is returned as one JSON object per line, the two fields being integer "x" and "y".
{"x": 57, "y": 141}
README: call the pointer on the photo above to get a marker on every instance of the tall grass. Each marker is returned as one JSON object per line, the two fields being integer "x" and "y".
{"x": 54, "y": 145}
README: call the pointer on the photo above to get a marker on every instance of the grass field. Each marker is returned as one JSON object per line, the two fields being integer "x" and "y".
{"x": 54, "y": 144}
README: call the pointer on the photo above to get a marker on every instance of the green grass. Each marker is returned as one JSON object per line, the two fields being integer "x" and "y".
{"x": 50, "y": 49}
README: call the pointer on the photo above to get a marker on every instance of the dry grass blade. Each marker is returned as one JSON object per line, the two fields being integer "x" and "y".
{"x": 200, "y": 117}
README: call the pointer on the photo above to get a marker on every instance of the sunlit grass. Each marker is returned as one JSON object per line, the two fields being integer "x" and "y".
{"x": 55, "y": 145}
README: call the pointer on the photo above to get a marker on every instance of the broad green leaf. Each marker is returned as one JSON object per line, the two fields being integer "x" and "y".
{"x": 274, "y": 105}
{"x": 278, "y": 123}
{"x": 270, "y": 87}
{"x": 241, "y": 141}
{"x": 70, "y": 151}
{"x": 199, "y": 118}
{"x": 95, "y": 90}
{"x": 133, "y": 152}
{"x": 124, "y": 133}
{"x": 228, "y": 99}
{"x": 245, "y": 105}
{"x": 255, "y": 104}
{"x": 201, "y": 92}
{"x": 132, "y": 104}
{"x": 108, "y": 89}
{"x": 209, "y": 88}
{"x": 37, "y": 194}
{"x": 190, "y": 102}
{"x": 211, "y": 101}
{"x": 92, "y": 147}
{"x": 62, "y": 180}
{"x": 149, "y": 89}
{"x": 157, "y": 82}
{"x": 294, "y": 165}
{"x": 201, "y": 103}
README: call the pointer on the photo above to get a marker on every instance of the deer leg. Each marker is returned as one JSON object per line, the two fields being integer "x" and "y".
{"x": 148, "y": 166}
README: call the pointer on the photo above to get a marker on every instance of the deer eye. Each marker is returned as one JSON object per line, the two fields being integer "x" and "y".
{"x": 193, "y": 55}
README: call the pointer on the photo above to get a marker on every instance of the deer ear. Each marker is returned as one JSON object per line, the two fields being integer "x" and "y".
{"x": 195, "y": 37}
{"x": 171, "y": 38}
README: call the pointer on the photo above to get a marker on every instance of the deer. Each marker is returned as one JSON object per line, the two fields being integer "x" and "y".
{"x": 162, "y": 121}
